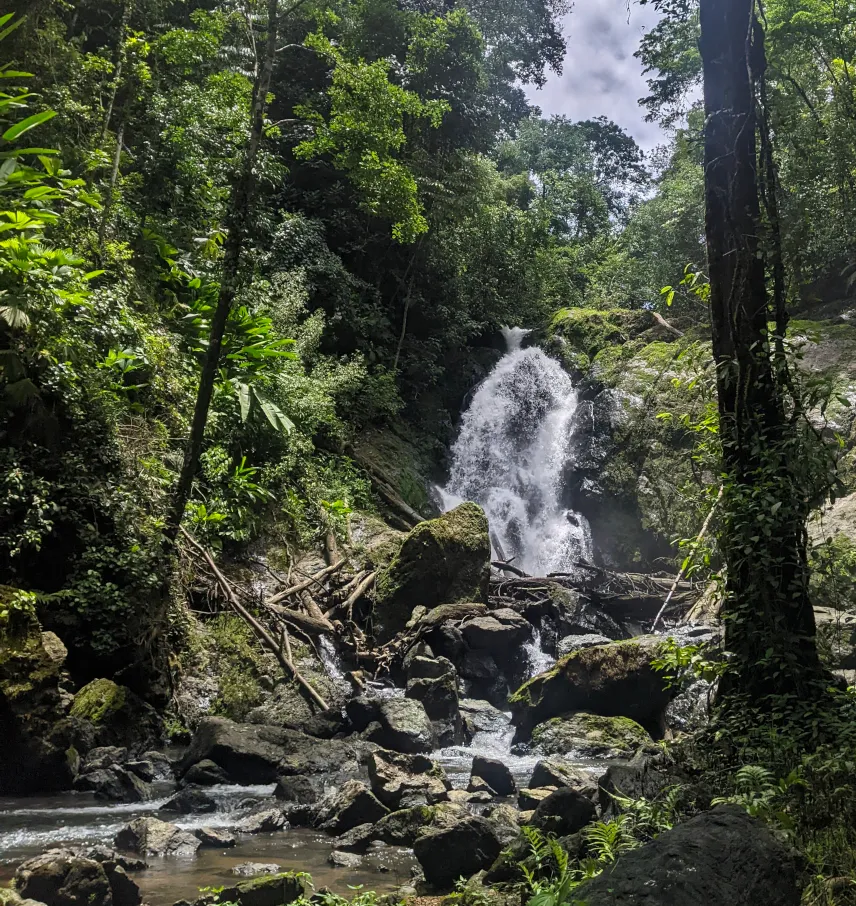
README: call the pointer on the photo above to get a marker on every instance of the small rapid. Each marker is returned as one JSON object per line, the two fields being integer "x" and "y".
{"x": 512, "y": 456}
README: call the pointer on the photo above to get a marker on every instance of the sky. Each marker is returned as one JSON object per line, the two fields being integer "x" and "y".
{"x": 601, "y": 76}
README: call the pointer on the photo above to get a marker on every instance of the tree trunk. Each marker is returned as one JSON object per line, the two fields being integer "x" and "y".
{"x": 769, "y": 620}
{"x": 236, "y": 224}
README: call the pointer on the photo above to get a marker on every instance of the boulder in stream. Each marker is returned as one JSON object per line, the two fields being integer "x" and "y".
{"x": 352, "y": 805}
{"x": 556, "y": 772}
{"x": 190, "y": 800}
{"x": 439, "y": 697}
{"x": 496, "y": 773}
{"x": 564, "y": 812}
{"x": 265, "y": 821}
{"x": 274, "y": 890}
{"x": 400, "y": 724}
{"x": 215, "y": 837}
{"x": 62, "y": 877}
{"x": 151, "y": 837}
{"x": 114, "y": 784}
{"x": 116, "y": 716}
{"x": 442, "y": 561}
{"x": 204, "y": 773}
{"x": 719, "y": 858}
{"x": 572, "y": 643}
{"x": 395, "y": 777}
{"x": 615, "y": 680}
{"x": 589, "y": 736}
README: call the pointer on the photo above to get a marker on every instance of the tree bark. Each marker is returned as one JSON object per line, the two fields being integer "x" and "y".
{"x": 769, "y": 620}
{"x": 236, "y": 225}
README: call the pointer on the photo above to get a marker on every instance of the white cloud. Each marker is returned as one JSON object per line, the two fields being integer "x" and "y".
{"x": 601, "y": 76}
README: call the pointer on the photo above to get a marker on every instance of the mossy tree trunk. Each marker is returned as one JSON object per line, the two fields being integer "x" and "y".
{"x": 769, "y": 620}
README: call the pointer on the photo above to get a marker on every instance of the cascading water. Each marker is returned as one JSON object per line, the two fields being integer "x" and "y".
{"x": 511, "y": 457}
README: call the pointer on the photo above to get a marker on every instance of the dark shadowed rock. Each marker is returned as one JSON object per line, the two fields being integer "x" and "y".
{"x": 117, "y": 717}
{"x": 719, "y": 858}
{"x": 151, "y": 837}
{"x": 461, "y": 850}
{"x": 555, "y": 772}
{"x": 102, "y": 757}
{"x": 356, "y": 840}
{"x": 215, "y": 837}
{"x": 564, "y": 812}
{"x": 190, "y": 800}
{"x": 114, "y": 784}
{"x": 205, "y": 773}
{"x": 643, "y": 776}
{"x": 496, "y": 773}
{"x": 401, "y": 828}
{"x": 151, "y": 766}
{"x": 439, "y": 697}
{"x": 442, "y": 561}
{"x": 61, "y": 877}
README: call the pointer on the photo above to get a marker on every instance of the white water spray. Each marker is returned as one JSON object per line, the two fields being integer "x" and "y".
{"x": 511, "y": 457}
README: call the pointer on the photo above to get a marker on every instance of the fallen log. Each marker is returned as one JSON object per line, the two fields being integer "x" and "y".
{"x": 312, "y": 580}
{"x": 347, "y": 606}
{"x": 264, "y": 636}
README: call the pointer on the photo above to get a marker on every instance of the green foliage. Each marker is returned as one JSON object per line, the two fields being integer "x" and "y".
{"x": 679, "y": 662}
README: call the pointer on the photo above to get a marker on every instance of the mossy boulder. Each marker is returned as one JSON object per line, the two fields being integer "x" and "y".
{"x": 36, "y": 753}
{"x": 615, "y": 680}
{"x": 116, "y": 716}
{"x": 274, "y": 890}
{"x": 589, "y": 736}
{"x": 442, "y": 561}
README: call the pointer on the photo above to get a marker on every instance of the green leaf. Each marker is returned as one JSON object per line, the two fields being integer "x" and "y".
{"x": 244, "y": 400}
{"x": 278, "y": 419}
{"x": 30, "y": 122}
{"x": 8, "y": 31}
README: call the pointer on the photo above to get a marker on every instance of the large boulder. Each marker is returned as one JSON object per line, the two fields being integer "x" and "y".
{"x": 114, "y": 784}
{"x": 36, "y": 752}
{"x": 398, "y": 780}
{"x": 501, "y": 629}
{"x": 442, "y": 561}
{"x": 63, "y": 877}
{"x": 352, "y": 805}
{"x": 189, "y": 801}
{"x": 257, "y": 753}
{"x": 719, "y": 858}
{"x": 589, "y": 736}
{"x": 402, "y": 828}
{"x": 556, "y": 772}
{"x": 615, "y": 680}
{"x": 400, "y": 724}
{"x": 151, "y": 837}
{"x": 459, "y": 851}
{"x": 572, "y": 643}
{"x": 116, "y": 716}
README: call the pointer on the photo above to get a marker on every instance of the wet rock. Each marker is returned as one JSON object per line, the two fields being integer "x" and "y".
{"x": 481, "y": 717}
{"x": 439, "y": 697}
{"x": 215, "y": 837}
{"x": 446, "y": 640}
{"x": 151, "y": 837}
{"x": 496, "y": 774}
{"x": 205, "y": 773}
{"x": 719, "y": 858}
{"x": 483, "y": 678}
{"x": 253, "y": 869}
{"x": 690, "y": 709}
{"x": 256, "y": 753}
{"x": 564, "y": 812}
{"x": 339, "y": 859}
{"x": 555, "y": 773}
{"x": 61, "y": 877}
{"x": 642, "y": 777}
{"x": 402, "y": 724}
{"x": 109, "y": 857}
{"x": 421, "y": 667}
{"x": 276, "y": 890}
{"x": 589, "y": 736}
{"x": 446, "y": 854}
{"x": 35, "y": 728}
{"x": 151, "y": 766}
{"x": 442, "y": 561}
{"x": 609, "y": 680}
{"x": 572, "y": 643}
{"x": 353, "y": 805}
{"x": 190, "y": 800}
{"x": 479, "y": 785}
{"x": 117, "y": 716}
{"x": 114, "y": 784}
{"x": 264, "y": 822}
{"x": 356, "y": 840}
{"x": 395, "y": 777}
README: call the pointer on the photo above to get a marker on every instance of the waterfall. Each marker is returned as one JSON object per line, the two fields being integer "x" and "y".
{"x": 511, "y": 456}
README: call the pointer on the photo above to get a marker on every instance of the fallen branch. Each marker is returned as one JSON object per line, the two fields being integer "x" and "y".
{"x": 263, "y": 635}
{"x": 312, "y": 580}
{"x": 347, "y": 606}
{"x": 505, "y": 566}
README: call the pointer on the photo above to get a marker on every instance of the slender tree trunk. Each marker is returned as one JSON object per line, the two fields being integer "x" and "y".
{"x": 236, "y": 224}
{"x": 769, "y": 620}
{"x": 111, "y": 192}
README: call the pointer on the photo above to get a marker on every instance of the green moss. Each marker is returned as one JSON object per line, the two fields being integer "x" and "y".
{"x": 589, "y": 735}
{"x": 98, "y": 700}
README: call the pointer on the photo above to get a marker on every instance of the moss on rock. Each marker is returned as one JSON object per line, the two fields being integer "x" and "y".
{"x": 442, "y": 561}
{"x": 589, "y": 736}
{"x": 113, "y": 715}
{"x": 99, "y": 700}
